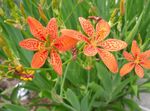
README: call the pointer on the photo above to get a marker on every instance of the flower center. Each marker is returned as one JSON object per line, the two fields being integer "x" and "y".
{"x": 137, "y": 60}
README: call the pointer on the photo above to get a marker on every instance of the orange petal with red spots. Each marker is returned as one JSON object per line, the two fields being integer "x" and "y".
{"x": 37, "y": 29}
{"x": 52, "y": 29}
{"x": 145, "y": 55}
{"x": 102, "y": 30}
{"x": 87, "y": 26}
{"x": 90, "y": 50}
{"x": 109, "y": 60}
{"x": 39, "y": 59}
{"x": 56, "y": 62}
{"x": 30, "y": 44}
{"x": 135, "y": 49}
{"x": 146, "y": 64}
{"x": 74, "y": 34}
{"x": 65, "y": 43}
{"x": 126, "y": 68}
{"x": 128, "y": 56}
{"x": 113, "y": 44}
{"x": 139, "y": 71}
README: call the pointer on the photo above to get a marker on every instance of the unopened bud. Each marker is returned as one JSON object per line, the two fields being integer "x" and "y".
{"x": 42, "y": 14}
{"x": 22, "y": 10}
{"x": 140, "y": 39}
{"x": 7, "y": 51}
{"x": 30, "y": 72}
{"x": 113, "y": 16}
{"x": 1, "y": 12}
{"x": 2, "y": 41}
{"x": 122, "y": 7}
{"x": 19, "y": 68}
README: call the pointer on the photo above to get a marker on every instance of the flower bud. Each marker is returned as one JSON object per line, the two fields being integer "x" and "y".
{"x": 42, "y": 14}
{"x": 122, "y": 8}
{"x": 7, "y": 51}
{"x": 1, "y": 12}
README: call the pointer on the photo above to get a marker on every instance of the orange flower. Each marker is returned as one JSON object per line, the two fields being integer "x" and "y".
{"x": 136, "y": 60}
{"x": 46, "y": 42}
{"x": 96, "y": 43}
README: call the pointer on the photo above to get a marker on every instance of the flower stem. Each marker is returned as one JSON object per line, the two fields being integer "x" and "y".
{"x": 63, "y": 80}
{"x": 88, "y": 79}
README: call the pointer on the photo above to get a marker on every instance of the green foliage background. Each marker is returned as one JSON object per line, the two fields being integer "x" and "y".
{"x": 78, "y": 89}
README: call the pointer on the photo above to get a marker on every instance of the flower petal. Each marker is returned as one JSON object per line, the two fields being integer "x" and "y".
{"x": 37, "y": 29}
{"x": 145, "y": 55}
{"x": 135, "y": 49}
{"x": 113, "y": 44}
{"x": 56, "y": 62}
{"x": 139, "y": 71}
{"x": 102, "y": 30}
{"x": 52, "y": 29}
{"x": 39, "y": 59}
{"x": 87, "y": 26}
{"x": 109, "y": 60}
{"x": 128, "y": 56}
{"x": 31, "y": 44}
{"x": 74, "y": 34}
{"x": 65, "y": 43}
{"x": 126, "y": 68}
{"x": 145, "y": 63}
{"x": 90, "y": 50}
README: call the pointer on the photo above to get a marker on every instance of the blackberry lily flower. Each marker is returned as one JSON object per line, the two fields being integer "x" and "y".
{"x": 46, "y": 41}
{"x": 96, "y": 43}
{"x": 136, "y": 60}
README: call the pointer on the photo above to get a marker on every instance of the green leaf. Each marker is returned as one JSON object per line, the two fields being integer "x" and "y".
{"x": 134, "y": 31}
{"x": 117, "y": 106}
{"x": 14, "y": 95}
{"x": 12, "y": 107}
{"x": 85, "y": 103}
{"x": 119, "y": 88}
{"x": 42, "y": 82}
{"x": 76, "y": 74}
{"x": 73, "y": 99}
{"x": 135, "y": 89}
{"x": 132, "y": 105}
{"x": 105, "y": 77}
{"x": 56, "y": 98}
{"x": 42, "y": 109}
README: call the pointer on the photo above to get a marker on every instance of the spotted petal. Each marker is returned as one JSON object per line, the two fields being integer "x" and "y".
{"x": 113, "y": 44}
{"x": 126, "y": 68}
{"x": 74, "y": 34}
{"x": 30, "y": 44}
{"x": 52, "y": 29}
{"x": 109, "y": 60}
{"x": 139, "y": 71}
{"x": 135, "y": 49}
{"x": 39, "y": 59}
{"x": 37, "y": 29}
{"x": 146, "y": 64}
{"x": 56, "y": 62}
{"x": 87, "y": 26}
{"x": 128, "y": 56}
{"x": 90, "y": 50}
{"x": 65, "y": 43}
{"x": 102, "y": 30}
{"x": 145, "y": 55}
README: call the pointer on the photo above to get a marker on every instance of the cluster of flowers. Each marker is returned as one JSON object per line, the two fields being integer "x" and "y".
{"x": 48, "y": 44}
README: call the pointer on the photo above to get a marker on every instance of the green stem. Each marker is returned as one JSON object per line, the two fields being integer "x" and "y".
{"x": 63, "y": 80}
{"x": 88, "y": 80}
